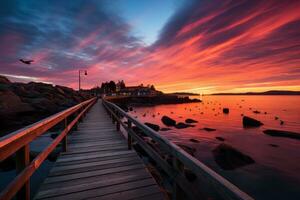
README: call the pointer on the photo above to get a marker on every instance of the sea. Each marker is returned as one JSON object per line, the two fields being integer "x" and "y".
{"x": 275, "y": 174}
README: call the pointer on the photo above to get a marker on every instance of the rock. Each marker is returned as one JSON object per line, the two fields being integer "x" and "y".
{"x": 273, "y": 145}
{"x": 250, "y": 122}
{"x": 281, "y": 122}
{"x": 189, "y": 150}
{"x": 220, "y": 139}
{"x": 225, "y": 110}
{"x": 10, "y": 103}
{"x": 190, "y": 176}
{"x": 182, "y": 125}
{"x": 276, "y": 118}
{"x": 209, "y": 129}
{"x": 256, "y": 112}
{"x": 194, "y": 140}
{"x": 165, "y": 129}
{"x": 138, "y": 131}
{"x": 152, "y": 126}
{"x": 281, "y": 133}
{"x": 8, "y": 164}
{"x": 130, "y": 109}
{"x": 54, "y": 135}
{"x": 190, "y": 121}
{"x": 4, "y": 80}
{"x": 229, "y": 158}
{"x": 168, "y": 121}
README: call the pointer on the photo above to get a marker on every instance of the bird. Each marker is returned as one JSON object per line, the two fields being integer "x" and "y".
{"x": 28, "y": 62}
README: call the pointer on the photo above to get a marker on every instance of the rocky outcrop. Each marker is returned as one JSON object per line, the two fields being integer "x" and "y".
{"x": 190, "y": 121}
{"x": 281, "y": 133}
{"x": 229, "y": 158}
{"x": 182, "y": 125}
{"x": 168, "y": 121}
{"x": 152, "y": 126}
{"x": 189, "y": 150}
{"x": 152, "y": 100}
{"x": 208, "y": 129}
{"x": 250, "y": 122}
{"x": 23, "y": 104}
{"x": 165, "y": 129}
{"x": 225, "y": 110}
{"x": 194, "y": 140}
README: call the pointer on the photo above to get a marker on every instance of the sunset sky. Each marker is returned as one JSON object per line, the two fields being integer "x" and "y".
{"x": 202, "y": 46}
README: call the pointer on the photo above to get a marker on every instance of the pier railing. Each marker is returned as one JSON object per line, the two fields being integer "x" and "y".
{"x": 190, "y": 177}
{"x": 18, "y": 143}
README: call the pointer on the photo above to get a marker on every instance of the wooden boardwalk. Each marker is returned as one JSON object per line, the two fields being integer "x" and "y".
{"x": 98, "y": 165}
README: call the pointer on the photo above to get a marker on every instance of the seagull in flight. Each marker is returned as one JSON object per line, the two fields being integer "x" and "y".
{"x": 28, "y": 62}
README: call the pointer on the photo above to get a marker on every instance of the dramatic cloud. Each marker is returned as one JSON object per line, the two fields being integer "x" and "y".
{"x": 207, "y": 46}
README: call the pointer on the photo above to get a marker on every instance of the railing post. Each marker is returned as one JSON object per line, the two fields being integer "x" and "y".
{"x": 65, "y": 139}
{"x": 22, "y": 161}
{"x": 129, "y": 139}
{"x": 177, "y": 191}
{"x": 118, "y": 123}
{"x": 79, "y": 111}
{"x": 112, "y": 118}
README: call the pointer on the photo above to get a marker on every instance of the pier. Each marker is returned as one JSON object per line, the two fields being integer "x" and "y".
{"x": 99, "y": 161}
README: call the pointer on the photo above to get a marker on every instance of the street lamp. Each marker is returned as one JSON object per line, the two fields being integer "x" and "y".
{"x": 79, "y": 81}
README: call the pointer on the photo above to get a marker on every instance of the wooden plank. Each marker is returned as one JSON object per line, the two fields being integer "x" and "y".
{"x": 109, "y": 190}
{"x": 89, "y": 180}
{"x": 91, "y": 166}
{"x": 71, "y": 158}
{"x": 95, "y": 149}
{"x": 57, "y": 164}
{"x": 140, "y": 193}
{"x": 102, "y": 182}
{"x": 80, "y": 175}
{"x": 96, "y": 143}
{"x": 98, "y": 164}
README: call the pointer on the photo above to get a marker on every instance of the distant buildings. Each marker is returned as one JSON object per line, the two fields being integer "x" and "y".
{"x": 140, "y": 90}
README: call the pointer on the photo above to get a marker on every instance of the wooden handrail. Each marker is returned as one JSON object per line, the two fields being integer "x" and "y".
{"x": 181, "y": 160}
{"x": 19, "y": 140}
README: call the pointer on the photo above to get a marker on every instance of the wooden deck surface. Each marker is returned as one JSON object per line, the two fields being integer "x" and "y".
{"x": 98, "y": 165}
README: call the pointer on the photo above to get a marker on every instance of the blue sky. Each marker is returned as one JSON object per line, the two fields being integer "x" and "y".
{"x": 222, "y": 45}
{"x": 147, "y": 17}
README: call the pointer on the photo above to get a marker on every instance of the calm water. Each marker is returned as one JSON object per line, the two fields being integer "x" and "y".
{"x": 276, "y": 172}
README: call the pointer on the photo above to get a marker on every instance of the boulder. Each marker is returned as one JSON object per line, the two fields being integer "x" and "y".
{"x": 8, "y": 164}
{"x": 190, "y": 121}
{"x": 250, "y": 122}
{"x": 225, "y": 110}
{"x": 4, "y": 80}
{"x": 229, "y": 158}
{"x": 190, "y": 176}
{"x": 165, "y": 129}
{"x": 220, "y": 138}
{"x": 281, "y": 133}
{"x": 168, "y": 121}
{"x": 182, "y": 125}
{"x": 208, "y": 129}
{"x": 10, "y": 103}
{"x": 273, "y": 145}
{"x": 152, "y": 126}
{"x": 189, "y": 150}
{"x": 194, "y": 140}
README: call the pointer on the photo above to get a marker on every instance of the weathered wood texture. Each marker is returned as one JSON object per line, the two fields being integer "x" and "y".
{"x": 98, "y": 165}
{"x": 18, "y": 142}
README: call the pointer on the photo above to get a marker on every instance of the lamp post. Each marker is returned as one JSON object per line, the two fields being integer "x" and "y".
{"x": 79, "y": 80}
